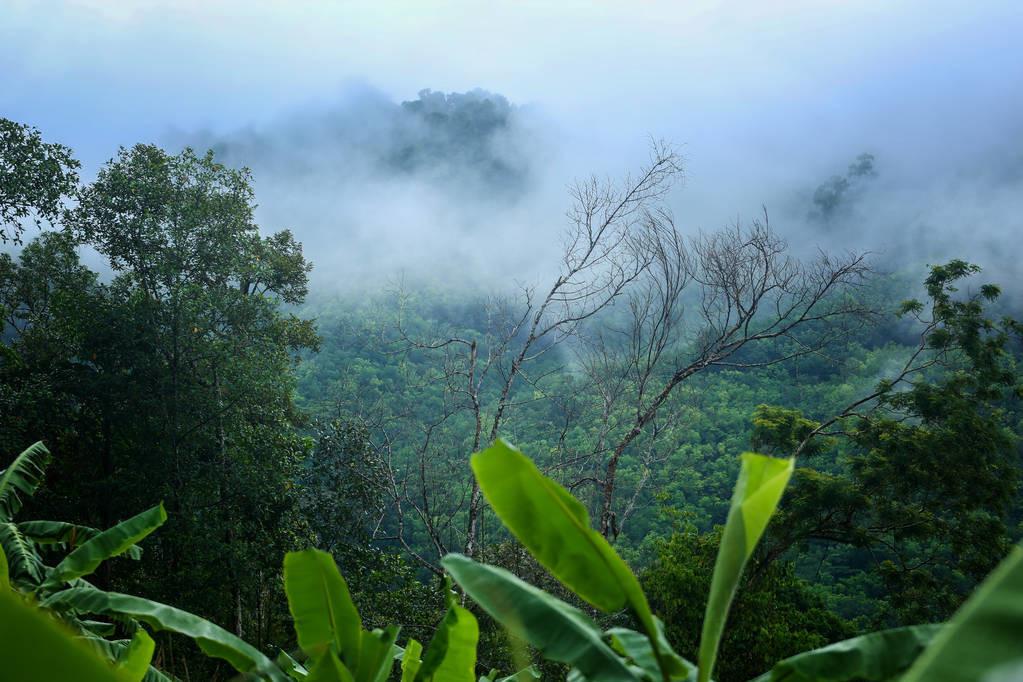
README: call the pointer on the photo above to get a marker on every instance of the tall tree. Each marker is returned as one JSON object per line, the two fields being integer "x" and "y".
{"x": 175, "y": 378}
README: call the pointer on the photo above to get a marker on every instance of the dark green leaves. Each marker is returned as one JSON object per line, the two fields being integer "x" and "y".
{"x": 22, "y": 478}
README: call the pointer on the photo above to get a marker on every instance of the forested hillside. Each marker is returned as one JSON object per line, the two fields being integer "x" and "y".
{"x": 165, "y": 348}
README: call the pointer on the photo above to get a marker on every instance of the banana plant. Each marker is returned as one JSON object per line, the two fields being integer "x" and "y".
{"x": 981, "y": 642}
{"x": 64, "y": 590}
{"x": 337, "y": 647}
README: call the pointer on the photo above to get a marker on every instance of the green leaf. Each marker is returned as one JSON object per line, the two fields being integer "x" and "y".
{"x": 98, "y": 628}
{"x": 321, "y": 606}
{"x": 451, "y": 655}
{"x": 211, "y": 638}
{"x": 35, "y": 648}
{"x": 528, "y": 673}
{"x": 377, "y": 655}
{"x": 874, "y": 657}
{"x": 561, "y": 632}
{"x": 109, "y": 543}
{"x": 329, "y": 668}
{"x": 636, "y": 646}
{"x": 762, "y": 481}
{"x": 134, "y": 662}
{"x": 553, "y": 525}
{"x": 983, "y": 634}
{"x": 22, "y": 478}
{"x": 525, "y": 675}
{"x": 293, "y": 668}
{"x": 64, "y": 534}
{"x": 24, "y": 566}
{"x": 555, "y": 528}
{"x": 410, "y": 660}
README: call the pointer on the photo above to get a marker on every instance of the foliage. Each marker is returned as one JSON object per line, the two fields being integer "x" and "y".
{"x": 929, "y": 473}
{"x": 336, "y": 648}
{"x": 35, "y": 177}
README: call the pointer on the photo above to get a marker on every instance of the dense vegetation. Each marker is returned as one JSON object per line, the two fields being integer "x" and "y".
{"x": 196, "y": 368}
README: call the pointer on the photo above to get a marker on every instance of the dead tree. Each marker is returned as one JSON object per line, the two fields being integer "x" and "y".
{"x": 603, "y": 257}
{"x": 703, "y": 301}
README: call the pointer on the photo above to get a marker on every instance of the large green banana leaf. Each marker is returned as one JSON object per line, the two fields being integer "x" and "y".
{"x": 762, "y": 481}
{"x": 22, "y": 478}
{"x": 109, "y": 543}
{"x": 555, "y": 528}
{"x": 984, "y": 634}
{"x": 560, "y": 631}
{"x": 212, "y": 639}
{"x": 321, "y": 606}
{"x": 527, "y": 674}
{"x": 451, "y": 654}
{"x": 35, "y": 648}
{"x": 63, "y": 534}
{"x": 293, "y": 668}
{"x": 874, "y": 657}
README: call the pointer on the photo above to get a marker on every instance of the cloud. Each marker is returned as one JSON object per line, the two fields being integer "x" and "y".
{"x": 766, "y": 100}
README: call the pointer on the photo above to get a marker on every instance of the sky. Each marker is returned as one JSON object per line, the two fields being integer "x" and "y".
{"x": 766, "y": 100}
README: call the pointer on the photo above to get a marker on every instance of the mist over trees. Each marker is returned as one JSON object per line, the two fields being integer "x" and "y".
{"x": 196, "y": 368}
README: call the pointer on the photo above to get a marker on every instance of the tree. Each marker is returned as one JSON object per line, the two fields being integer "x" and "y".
{"x": 35, "y": 177}
{"x": 920, "y": 473}
{"x": 173, "y": 381}
{"x": 604, "y": 255}
{"x": 702, "y": 305}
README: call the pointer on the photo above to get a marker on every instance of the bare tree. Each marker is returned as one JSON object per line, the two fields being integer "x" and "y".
{"x": 604, "y": 255}
{"x": 699, "y": 304}
{"x": 690, "y": 304}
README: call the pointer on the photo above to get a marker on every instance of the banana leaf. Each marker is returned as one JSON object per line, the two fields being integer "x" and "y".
{"x": 109, "y": 543}
{"x": 762, "y": 481}
{"x": 35, "y": 648}
{"x": 555, "y": 528}
{"x": 321, "y": 606}
{"x": 212, "y": 639}
{"x": 560, "y": 631}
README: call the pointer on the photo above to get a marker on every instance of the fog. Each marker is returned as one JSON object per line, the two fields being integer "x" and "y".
{"x": 767, "y": 102}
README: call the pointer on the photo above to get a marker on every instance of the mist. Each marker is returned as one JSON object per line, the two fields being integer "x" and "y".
{"x": 767, "y": 105}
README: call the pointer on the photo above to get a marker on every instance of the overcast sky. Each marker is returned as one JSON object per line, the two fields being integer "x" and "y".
{"x": 763, "y": 97}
